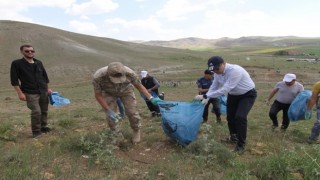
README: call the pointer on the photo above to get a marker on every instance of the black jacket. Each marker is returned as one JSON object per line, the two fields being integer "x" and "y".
{"x": 32, "y": 78}
{"x": 150, "y": 82}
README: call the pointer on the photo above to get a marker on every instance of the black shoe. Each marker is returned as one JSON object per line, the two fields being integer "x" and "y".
{"x": 283, "y": 127}
{"x": 312, "y": 140}
{"x": 45, "y": 129}
{"x": 36, "y": 134}
{"x": 239, "y": 150}
{"x": 204, "y": 120}
{"x": 153, "y": 114}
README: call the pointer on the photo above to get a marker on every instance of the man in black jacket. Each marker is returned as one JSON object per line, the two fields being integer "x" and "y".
{"x": 152, "y": 85}
{"x": 30, "y": 80}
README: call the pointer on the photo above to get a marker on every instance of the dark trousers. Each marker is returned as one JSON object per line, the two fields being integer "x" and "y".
{"x": 238, "y": 107}
{"x": 120, "y": 106}
{"x": 275, "y": 108}
{"x": 152, "y": 108}
{"x": 38, "y": 104}
{"x": 315, "y": 131}
{"x": 215, "y": 106}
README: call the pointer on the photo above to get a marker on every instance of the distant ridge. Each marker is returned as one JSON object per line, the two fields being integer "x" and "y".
{"x": 225, "y": 42}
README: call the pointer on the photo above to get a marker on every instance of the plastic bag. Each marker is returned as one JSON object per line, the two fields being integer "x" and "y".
{"x": 153, "y": 94}
{"x": 298, "y": 106}
{"x": 181, "y": 120}
{"x": 57, "y": 100}
{"x": 223, "y": 104}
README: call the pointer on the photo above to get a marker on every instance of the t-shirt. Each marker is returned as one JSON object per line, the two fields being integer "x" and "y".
{"x": 204, "y": 83}
{"x": 286, "y": 94}
{"x": 316, "y": 87}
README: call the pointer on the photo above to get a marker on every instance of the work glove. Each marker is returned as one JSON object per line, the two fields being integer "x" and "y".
{"x": 205, "y": 101}
{"x": 308, "y": 114}
{"x": 113, "y": 116}
{"x": 199, "y": 97}
{"x": 155, "y": 100}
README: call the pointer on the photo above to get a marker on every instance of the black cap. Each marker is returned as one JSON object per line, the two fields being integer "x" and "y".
{"x": 208, "y": 72}
{"x": 214, "y": 62}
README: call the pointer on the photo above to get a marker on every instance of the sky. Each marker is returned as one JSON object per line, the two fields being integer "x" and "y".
{"x": 146, "y": 20}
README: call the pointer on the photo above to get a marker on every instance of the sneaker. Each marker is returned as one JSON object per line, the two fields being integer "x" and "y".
{"x": 239, "y": 150}
{"x": 136, "y": 136}
{"x": 45, "y": 129}
{"x": 36, "y": 134}
{"x": 153, "y": 114}
{"x": 274, "y": 126}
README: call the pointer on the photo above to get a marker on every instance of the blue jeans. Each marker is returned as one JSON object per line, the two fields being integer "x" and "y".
{"x": 120, "y": 106}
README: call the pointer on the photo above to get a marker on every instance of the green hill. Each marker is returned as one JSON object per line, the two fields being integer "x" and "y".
{"x": 74, "y": 57}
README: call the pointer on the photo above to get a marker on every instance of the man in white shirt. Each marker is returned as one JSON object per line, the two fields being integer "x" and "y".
{"x": 235, "y": 81}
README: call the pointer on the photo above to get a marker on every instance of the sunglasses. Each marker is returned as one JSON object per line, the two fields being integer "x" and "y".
{"x": 29, "y": 51}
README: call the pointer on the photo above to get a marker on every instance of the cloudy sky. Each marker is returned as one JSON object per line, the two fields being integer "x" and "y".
{"x": 170, "y": 19}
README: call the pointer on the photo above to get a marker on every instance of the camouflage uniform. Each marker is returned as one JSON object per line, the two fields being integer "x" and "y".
{"x": 102, "y": 84}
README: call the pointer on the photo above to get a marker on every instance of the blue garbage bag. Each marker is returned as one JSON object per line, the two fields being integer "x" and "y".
{"x": 298, "y": 106}
{"x": 153, "y": 94}
{"x": 181, "y": 120}
{"x": 57, "y": 100}
{"x": 223, "y": 104}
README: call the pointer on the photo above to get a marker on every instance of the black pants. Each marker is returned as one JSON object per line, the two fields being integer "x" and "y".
{"x": 238, "y": 107}
{"x": 153, "y": 108}
{"x": 275, "y": 108}
{"x": 216, "y": 108}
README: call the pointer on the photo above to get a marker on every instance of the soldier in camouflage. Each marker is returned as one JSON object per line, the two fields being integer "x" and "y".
{"x": 117, "y": 80}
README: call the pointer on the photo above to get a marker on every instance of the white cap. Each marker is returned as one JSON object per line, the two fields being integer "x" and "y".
{"x": 144, "y": 74}
{"x": 289, "y": 77}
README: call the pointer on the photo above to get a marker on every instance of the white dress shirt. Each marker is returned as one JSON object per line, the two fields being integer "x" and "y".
{"x": 235, "y": 80}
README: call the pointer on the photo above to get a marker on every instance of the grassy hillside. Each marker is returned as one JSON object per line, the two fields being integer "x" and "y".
{"x": 74, "y": 57}
{"x": 82, "y": 147}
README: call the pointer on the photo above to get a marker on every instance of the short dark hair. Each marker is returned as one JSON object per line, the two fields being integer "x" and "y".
{"x": 25, "y": 45}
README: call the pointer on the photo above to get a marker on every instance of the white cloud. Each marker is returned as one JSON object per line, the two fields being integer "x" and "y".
{"x": 42, "y": 3}
{"x": 175, "y": 10}
{"x": 139, "y": 29}
{"x": 93, "y": 7}
{"x": 83, "y": 27}
{"x": 13, "y": 9}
